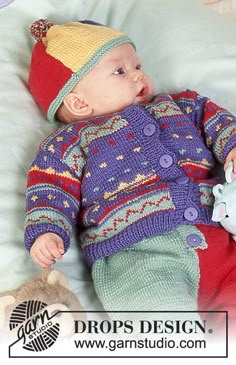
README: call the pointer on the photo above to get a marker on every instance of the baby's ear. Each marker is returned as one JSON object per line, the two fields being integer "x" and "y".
{"x": 5, "y": 302}
{"x": 76, "y": 106}
{"x": 56, "y": 277}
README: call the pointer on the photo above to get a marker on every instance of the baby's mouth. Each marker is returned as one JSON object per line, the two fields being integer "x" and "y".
{"x": 143, "y": 91}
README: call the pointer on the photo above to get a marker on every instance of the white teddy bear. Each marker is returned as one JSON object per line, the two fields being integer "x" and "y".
{"x": 225, "y": 202}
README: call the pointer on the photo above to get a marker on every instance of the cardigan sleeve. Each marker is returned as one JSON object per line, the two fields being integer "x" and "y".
{"x": 216, "y": 124}
{"x": 52, "y": 198}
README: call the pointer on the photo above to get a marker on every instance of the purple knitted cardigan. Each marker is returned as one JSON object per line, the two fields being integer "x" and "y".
{"x": 128, "y": 176}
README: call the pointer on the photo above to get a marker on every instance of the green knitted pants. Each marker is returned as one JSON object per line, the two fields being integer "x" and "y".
{"x": 157, "y": 274}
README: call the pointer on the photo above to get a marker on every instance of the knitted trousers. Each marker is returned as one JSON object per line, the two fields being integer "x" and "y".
{"x": 164, "y": 273}
{"x": 160, "y": 273}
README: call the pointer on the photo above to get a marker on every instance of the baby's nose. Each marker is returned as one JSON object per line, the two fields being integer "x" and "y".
{"x": 137, "y": 75}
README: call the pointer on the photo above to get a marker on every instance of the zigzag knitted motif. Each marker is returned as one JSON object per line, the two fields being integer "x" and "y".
{"x": 165, "y": 108}
{"x": 222, "y": 140}
{"x": 38, "y": 218}
{"x": 127, "y": 216}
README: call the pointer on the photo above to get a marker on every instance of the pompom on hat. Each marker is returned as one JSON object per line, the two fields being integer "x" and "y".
{"x": 63, "y": 55}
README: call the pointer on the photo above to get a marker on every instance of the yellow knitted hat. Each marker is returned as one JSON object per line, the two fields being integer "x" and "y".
{"x": 63, "y": 55}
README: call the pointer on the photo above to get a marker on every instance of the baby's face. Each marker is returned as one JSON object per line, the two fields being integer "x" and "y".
{"x": 116, "y": 82}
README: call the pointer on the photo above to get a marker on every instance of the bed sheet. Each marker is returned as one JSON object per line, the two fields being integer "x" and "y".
{"x": 182, "y": 45}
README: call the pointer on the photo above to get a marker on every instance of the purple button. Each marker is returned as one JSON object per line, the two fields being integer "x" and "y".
{"x": 149, "y": 129}
{"x": 190, "y": 214}
{"x": 166, "y": 161}
{"x": 182, "y": 180}
{"x": 193, "y": 240}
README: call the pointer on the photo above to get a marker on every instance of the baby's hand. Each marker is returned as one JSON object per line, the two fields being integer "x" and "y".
{"x": 46, "y": 249}
{"x": 231, "y": 157}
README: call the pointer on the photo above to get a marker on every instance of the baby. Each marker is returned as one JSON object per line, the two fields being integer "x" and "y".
{"x": 132, "y": 171}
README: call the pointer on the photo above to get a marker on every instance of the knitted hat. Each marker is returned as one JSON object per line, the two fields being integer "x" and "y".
{"x": 63, "y": 55}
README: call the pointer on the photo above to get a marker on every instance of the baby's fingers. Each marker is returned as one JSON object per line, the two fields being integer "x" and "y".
{"x": 227, "y": 161}
{"x": 231, "y": 157}
{"x": 226, "y": 165}
{"x": 55, "y": 250}
{"x": 234, "y": 163}
{"x": 41, "y": 260}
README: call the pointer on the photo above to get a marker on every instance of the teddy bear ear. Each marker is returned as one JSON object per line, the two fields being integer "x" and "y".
{"x": 56, "y": 277}
{"x": 218, "y": 190}
{"x": 219, "y": 212}
{"x": 5, "y": 301}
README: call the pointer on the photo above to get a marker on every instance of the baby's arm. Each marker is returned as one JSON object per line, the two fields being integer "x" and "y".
{"x": 216, "y": 124}
{"x": 52, "y": 200}
{"x": 47, "y": 248}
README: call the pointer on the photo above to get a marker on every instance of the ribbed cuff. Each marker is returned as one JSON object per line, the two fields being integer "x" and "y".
{"x": 32, "y": 232}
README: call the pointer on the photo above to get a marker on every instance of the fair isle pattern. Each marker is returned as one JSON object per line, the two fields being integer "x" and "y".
{"x": 190, "y": 165}
{"x": 111, "y": 179}
{"x": 52, "y": 171}
{"x": 49, "y": 217}
{"x": 87, "y": 135}
{"x": 206, "y": 195}
{"x": 54, "y": 198}
{"x": 218, "y": 124}
{"x": 118, "y": 219}
{"x": 72, "y": 152}
{"x": 164, "y": 109}
{"x": 223, "y": 139}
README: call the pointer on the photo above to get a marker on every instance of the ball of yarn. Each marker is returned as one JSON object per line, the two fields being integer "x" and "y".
{"x": 39, "y": 28}
{"x": 44, "y": 335}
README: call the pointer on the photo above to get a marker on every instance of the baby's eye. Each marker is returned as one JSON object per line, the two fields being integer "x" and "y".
{"x": 119, "y": 71}
{"x": 138, "y": 67}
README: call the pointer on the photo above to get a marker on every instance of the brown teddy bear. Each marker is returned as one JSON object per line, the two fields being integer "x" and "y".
{"x": 43, "y": 304}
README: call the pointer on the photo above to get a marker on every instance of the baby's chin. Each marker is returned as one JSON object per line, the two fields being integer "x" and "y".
{"x": 146, "y": 100}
